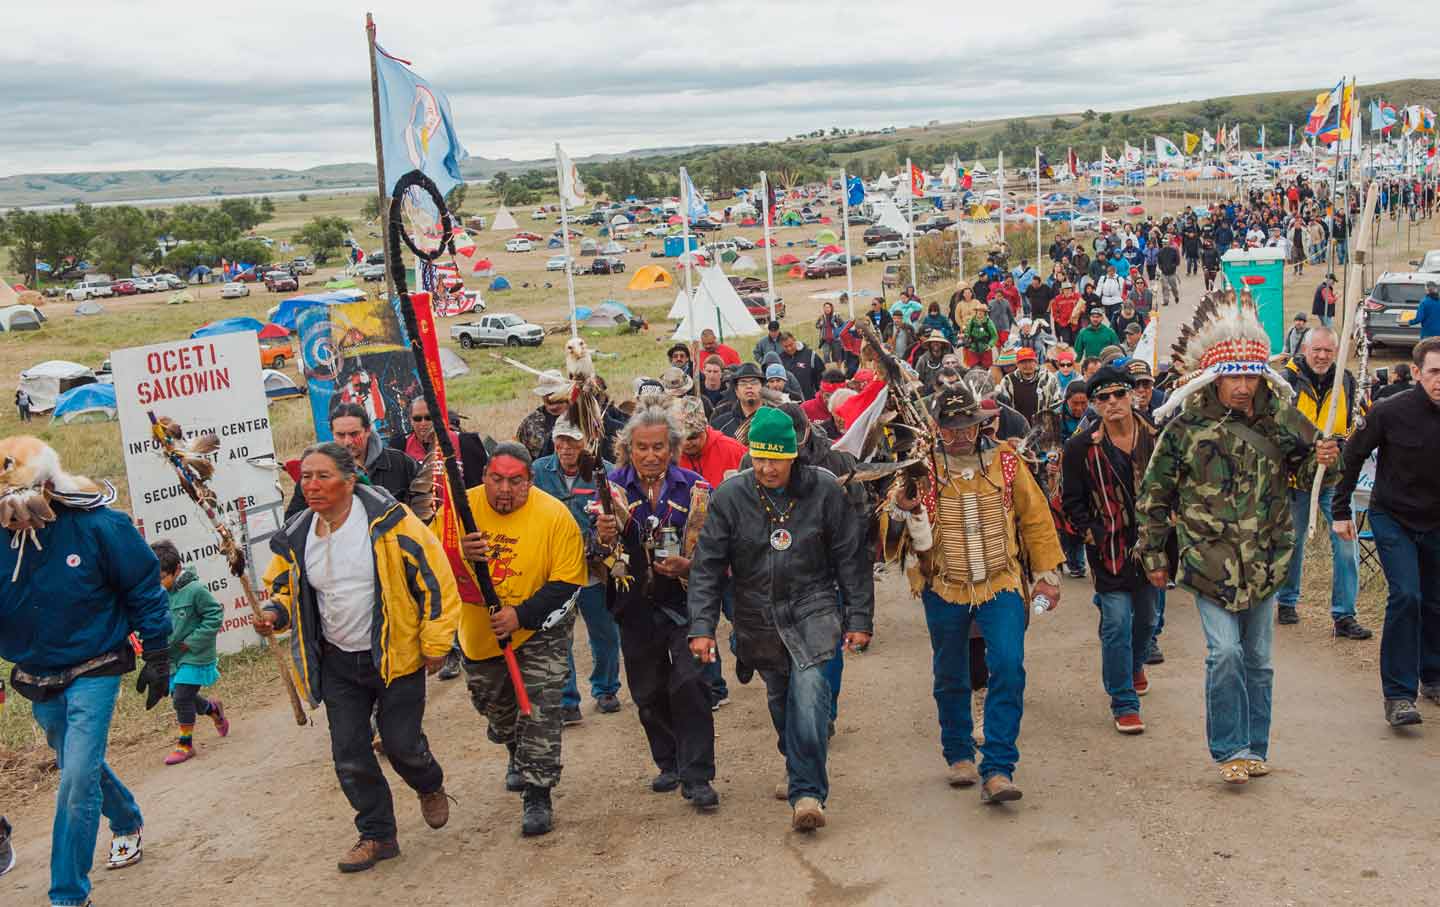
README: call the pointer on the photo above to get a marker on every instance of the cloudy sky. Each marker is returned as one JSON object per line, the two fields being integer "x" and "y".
{"x": 158, "y": 84}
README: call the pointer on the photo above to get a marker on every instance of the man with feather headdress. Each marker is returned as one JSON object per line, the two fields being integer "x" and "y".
{"x": 1222, "y": 468}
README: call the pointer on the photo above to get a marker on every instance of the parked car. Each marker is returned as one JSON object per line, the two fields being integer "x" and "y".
{"x": 275, "y": 355}
{"x": 885, "y": 251}
{"x": 125, "y": 287}
{"x": 1390, "y": 309}
{"x": 860, "y": 220}
{"x": 879, "y": 234}
{"x": 281, "y": 282}
{"x": 169, "y": 281}
{"x": 144, "y": 284}
{"x": 497, "y": 330}
{"x": 234, "y": 290}
{"x": 89, "y": 289}
{"x": 302, "y": 265}
{"x": 759, "y": 308}
{"x": 703, "y": 225}
{"x": 891, "y": 277}
{"x": 538, "y": 214}
{"x": 555, "y": 263}
{"x": 826, "y": 266}
{"x": 1430, "y": 264}
{"x": 742, "y": 243}
{"x": 606, "y": 265}
{"x": 526, "y": 234}
{"x": 372, "y": 273}
{"x": 936, "y": 225}
{"x": 657, "y": 230}
{"x": 518, "y": 245}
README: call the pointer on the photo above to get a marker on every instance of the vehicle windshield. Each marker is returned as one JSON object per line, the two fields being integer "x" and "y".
{"x": 509, "y": 321}
{"x": 1401, "y": 293}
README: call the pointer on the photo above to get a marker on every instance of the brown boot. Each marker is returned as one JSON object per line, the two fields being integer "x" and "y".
{"x": 435, "y": 807}
{"x": 808, "y": 816}
{"x": 963, "y": 774}
{"x": 366, "y": 853}
{"x": 999, "y": 789}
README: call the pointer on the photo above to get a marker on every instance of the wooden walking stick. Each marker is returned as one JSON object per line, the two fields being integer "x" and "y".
{"x": 1348, "y": 312}
{"x": 193, "y": 472}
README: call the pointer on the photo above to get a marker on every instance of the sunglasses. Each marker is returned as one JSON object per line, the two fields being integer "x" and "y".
{"x": 1112, "y": 395}
{"x": 420, "y": 419}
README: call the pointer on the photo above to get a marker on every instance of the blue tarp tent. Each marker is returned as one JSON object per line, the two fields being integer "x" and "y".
{"x": 286, "y": 313}
{"x": 197, "y": 271}
{"x": 229, "y": 326}
{"x": 86, "y": 403}
{"x": 499, "y": 283}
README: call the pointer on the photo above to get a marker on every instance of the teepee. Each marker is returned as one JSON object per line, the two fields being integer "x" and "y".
{"x": 504, "y": 220}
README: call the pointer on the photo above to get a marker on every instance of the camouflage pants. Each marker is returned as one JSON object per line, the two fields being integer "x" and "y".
{"x": 544, "y": 662}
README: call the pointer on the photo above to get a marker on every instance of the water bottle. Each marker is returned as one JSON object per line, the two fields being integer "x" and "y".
{"x": 1040, "y": 603}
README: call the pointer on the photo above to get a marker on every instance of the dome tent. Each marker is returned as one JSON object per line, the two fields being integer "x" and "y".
{"x": 20, "y": 318}
{"x": 500, "y": 283}
{"x": 651, "y": 277}
{"x": 279, "y": 385}
{"x": 229, "y": 326}
{"x": 86, "y": 403}
{"x": 89, "y": 307}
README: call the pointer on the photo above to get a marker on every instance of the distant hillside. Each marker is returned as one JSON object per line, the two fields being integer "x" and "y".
{"x": 870, "y": 151}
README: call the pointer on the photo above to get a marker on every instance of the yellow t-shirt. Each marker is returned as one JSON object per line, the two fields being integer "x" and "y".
{"x": 537, "y": 544}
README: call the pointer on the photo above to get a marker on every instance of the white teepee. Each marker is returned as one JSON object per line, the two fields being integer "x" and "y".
{"x": 717, "y": 307}
{"x": 504, "y": 220}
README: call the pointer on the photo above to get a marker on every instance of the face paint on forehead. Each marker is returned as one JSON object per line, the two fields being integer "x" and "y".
{"x": 507, "y": 467}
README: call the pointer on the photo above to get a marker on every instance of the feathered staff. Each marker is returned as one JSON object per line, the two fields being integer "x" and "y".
{"x": 911, "y": 417}
{"x": 191, "y": 463}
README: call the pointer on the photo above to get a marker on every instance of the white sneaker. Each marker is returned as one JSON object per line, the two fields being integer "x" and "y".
{"x": 125, "y": 851}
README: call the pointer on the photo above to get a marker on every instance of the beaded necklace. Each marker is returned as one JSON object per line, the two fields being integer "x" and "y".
{"x": 780, "y": 537}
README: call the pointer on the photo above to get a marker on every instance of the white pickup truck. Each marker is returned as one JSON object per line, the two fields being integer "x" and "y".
{"x": 497, "y": 330}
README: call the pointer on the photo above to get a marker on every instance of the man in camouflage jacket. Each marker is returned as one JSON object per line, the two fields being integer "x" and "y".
{"x": 1222, "y": 467}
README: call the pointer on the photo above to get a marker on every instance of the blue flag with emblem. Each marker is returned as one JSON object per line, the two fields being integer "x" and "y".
{"x": 692, "y": 199}
{"x": 416, "y": 130}
{"x": 854, "y": 191}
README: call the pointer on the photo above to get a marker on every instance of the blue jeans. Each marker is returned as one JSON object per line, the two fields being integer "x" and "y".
{"x": 1125, "y": 622}
{"x": 1159, "y": 613}
{"x": 77, "y": 727}
{"x": 604, "y": 636}
{"x": 1410, "y": 643}
{"x": 799, "y": 703}
{"x": 1344, "y": 558}
{"x": 1342, "y": 246}
{"x": 1238, "y": 678}
{"x": 1002, "y": 623}
{"x": 1074, "y": 548}
{"x": 714, "y": 677}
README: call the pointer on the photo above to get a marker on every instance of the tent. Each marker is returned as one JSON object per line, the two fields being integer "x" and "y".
{"x": 887, "y": 215}
{"x": 718, "y": 308}
{"x": 825, "y": 237}
{"x": 229, "y": 326}
{"x": 651, "y": 277}
{"x": 884, "y": 183}
{"x": 607, "y": 314}
{"x": 451, "y": 365}
{"x": 48, "y": 380}
{"x": 504, "y": 220}
{"x": 86, "y": 403}
{"x": 89, "y": 307}
{"x": 796, "y": 271}
{"x": 786, "y": 259}
{"x": 279, "y": 385}
{"x": 273, "y": 331}
{"x": 286, "y": 312}
{"x": 339, "y": 283}
{"x": 20, "y": 318}
{"x": 613, "y": 248}
{"x": 500, "y": 283}
{"x": 619, "y": 219}
{"x": 744, "y": 263}
{"x": 790, "y": 219}
{"x": 179, "y": 298}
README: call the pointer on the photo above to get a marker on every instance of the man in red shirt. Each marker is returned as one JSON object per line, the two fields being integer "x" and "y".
{"x": 711, "y": 453}
{"x": 711, "y": 344}
{"x": 817, "y": 408}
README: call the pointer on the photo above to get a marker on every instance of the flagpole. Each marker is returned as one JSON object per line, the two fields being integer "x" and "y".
{"x": 910, "y": 216}
{"x": 845, "y": 230}
{"x": 689, "y": 260}
{"x": 565, "y": 239}
{"x": 959, "y": 227}
{"x": 1000, "y": 181}
{"x": 1037, "y": 209}
{"x": 769, "y": 264}
{"x": 1100, "y": 223}
{"x": 383, "y": 196}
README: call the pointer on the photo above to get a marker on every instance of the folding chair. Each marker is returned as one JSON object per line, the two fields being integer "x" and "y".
{"x": 1370, "y": 566}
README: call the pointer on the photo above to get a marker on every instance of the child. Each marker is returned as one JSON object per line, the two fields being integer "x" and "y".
{"x": 195, "y": 616}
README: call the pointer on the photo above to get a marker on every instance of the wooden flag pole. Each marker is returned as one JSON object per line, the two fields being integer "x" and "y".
{"x": 565, "y": 240}
{"x": 384, "y": 197}
{"x": 1350, "y": 309}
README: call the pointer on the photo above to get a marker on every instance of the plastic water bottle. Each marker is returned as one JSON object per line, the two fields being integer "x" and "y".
{"x": 1040, "y": 604}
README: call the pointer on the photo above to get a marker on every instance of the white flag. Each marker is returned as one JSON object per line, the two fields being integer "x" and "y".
{"x": 1166, "y": 152}
{"x": 948, "y": 176}
{"x": 1132, "y": 154}
{"x": 1207, "y": 141}
{"x": 572, "y": 190}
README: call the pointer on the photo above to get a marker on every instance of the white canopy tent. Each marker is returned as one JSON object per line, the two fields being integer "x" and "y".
{"x": 48, "y": 380}
{"x": 717, "y": 307}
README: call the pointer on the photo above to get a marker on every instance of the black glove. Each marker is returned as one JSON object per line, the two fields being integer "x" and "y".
{"x": 154, "y": 678}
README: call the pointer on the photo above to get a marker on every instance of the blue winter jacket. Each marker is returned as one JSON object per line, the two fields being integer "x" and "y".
{"x": 549, "y": 479}
{"x": 92, "y": 583}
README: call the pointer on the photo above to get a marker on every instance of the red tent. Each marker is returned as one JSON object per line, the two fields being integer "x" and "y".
{"x": 675, "y": 220}
{"x": 824, "y": 220}
{"x": 797, "y": 271}
{"x": 1135, "y": 209}
{"x": 483, "y": 265}
{"x": 273, "y": 331}
{"x": 786, "y": 259}
{"x": 831, "y": 249}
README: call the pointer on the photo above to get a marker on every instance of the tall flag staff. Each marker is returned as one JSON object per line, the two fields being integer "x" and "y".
{"x": 852, "y": 192}
{"x": 767, "y": 212}
{"x": 572, "y": 192}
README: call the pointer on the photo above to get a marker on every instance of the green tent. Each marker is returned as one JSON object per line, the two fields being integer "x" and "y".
{"x": 339, "y": 283}
{"x": 729, "y": 256}
{"x": 825, "y": 237}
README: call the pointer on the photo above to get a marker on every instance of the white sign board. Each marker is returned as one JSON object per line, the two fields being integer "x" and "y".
{"x": 206, "y": 384}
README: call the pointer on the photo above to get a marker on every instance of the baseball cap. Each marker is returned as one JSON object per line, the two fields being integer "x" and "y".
{"x": 1065, "y": 356}
{"x": 564, "y": 428}
{"x": 1025, "y": 354}
{"x": 774, "y": 371}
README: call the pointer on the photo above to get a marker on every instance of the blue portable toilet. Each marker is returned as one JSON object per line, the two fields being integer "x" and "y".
{"x": 675, "y": 245}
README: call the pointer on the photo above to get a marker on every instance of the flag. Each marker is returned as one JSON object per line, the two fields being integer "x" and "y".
{"x": 1166, "y": 152}
{"x": 693, "y": 201}
{"x": 967, "y": 179}
{"x": 917, "y": 181}
{"x": 1383, "y": 116}
{"x": 1220, "y": 137}
{"x": 1207, "y": 141}
{"x": 769, "y": 201}
{"x": 416, "y": 132}
{"x": 1044, "y": 167}
{"x": 1417, "y": 118}
{"x": 1347, "y": 110}
{"x": 861, "y": 413}
{"x": 1290, "y": 140}
{"x": 572, "y": 190}
{"x": 1326, "y": 103}
{"x": 1133, "y": 155}
{"x": 1072, "y": 163}
{"x": 1191, "y": 140}
{"x": 1262, "y": 136}
{"x": 854, "y": 191}
{"x": 1234, "y": 137}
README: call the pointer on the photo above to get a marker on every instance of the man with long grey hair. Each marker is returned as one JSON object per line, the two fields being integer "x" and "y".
{"x": 665, "y": 504}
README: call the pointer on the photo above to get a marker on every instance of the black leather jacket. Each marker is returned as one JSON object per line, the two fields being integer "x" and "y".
{"x": 786, "y": 608}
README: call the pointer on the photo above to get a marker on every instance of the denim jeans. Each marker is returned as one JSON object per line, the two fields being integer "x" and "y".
{"x": 1159, "y": 614}
{"x": 604, "y": 636}
{"x": 714, "y": 676}
{"x": 1238, "y": 678}
{"x": 1342, "y": 246}
{"x": 1410, "y": 643}
{"x": 351, "y": 688}
{"x": 799, "y": 703}
{"x": 1074, "y": 548}
{"x": 77, "y": 727}
{"x": 1126, "y": 618}
{"x": 1002, "y": 623}
{"x": 1344, "y": 558}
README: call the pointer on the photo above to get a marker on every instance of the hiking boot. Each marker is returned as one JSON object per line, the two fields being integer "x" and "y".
{"x": 435, "y": 807}
{"x": 183, "y": 752}
{"x": 701, "y": 795}
{"x": 665, "y": 782}
{"x": 125, "y": 850}
{"x": 1153, "y": 656}
{"x": 607, "y": 703}
{"x": 1348, "y": 627}
{"x": 1129, "y": 723}
{"x": 743, "y": 672}
{"x": 514, "y": 783}
{"x": 1142, "y": 683}
{"x": 366, "y": 853}
{"x": 539, "y": 816}
{"x": 451, "y": 668}
{"x": 962, "y": 774}
{"x": 782, "y": 790}
{"x": 1288, "y": 615}
{"x": 998, "y": 789}
{"x": 1431, "y": 691}
{"x": 570, "y": 714}
{"x": 1401, "y": 712}
{"x": 809, "y": 815}
{"x": 217, "y": 715}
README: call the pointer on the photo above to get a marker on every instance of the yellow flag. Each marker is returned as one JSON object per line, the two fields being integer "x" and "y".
{"x": 1191, "y": 140}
